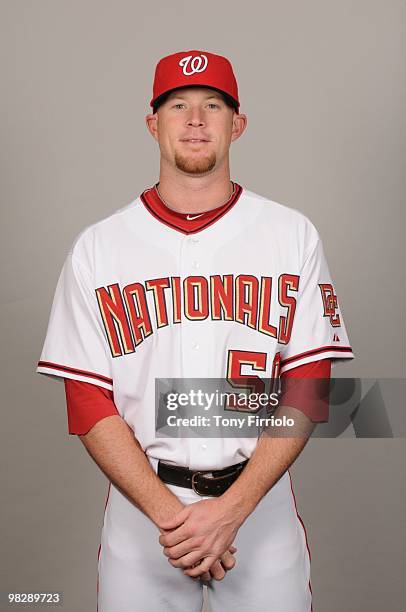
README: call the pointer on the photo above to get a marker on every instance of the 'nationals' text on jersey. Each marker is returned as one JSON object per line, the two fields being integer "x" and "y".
{"x": 245, "y": 299}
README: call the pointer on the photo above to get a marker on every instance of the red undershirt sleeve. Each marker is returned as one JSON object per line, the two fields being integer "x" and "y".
{"x": 305, "y": 397}
{"x": 86, "y": 405}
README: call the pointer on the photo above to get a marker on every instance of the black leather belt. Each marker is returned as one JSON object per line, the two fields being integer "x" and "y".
{"x": 203, "y": 482}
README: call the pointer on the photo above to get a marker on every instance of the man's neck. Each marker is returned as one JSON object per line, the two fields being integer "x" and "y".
{"x": 194, "y": 194}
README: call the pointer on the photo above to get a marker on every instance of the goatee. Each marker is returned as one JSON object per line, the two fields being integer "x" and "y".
{"x": 195, "y": 166}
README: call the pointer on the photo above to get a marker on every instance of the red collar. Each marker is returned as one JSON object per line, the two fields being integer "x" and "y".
{"x": 187, "y": 223}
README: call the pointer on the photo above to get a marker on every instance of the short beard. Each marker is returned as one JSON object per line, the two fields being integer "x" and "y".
{"x": 195, "y": 166}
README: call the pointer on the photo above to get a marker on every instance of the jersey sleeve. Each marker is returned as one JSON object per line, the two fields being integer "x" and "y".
{"x": 75, "y": 345}
{"x": 318, "y": 329}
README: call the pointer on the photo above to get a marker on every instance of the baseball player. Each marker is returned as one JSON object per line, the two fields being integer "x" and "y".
{"x": 198, "y": 277}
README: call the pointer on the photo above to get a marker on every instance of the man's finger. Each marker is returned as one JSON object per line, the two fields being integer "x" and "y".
{"x": 203, "y": 567}
{"x": 227, "y": 560}
{"x": 174, "y": 537}
{"x": 188, "y": 561}
{"x": 176, "y": 520}
{"x": 217, "y": 571}
{"x": 182, "y": 549}
{"x": 220, "y": 567}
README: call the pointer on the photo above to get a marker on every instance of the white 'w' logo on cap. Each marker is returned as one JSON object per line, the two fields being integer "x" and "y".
{"x": 196, "y": 63}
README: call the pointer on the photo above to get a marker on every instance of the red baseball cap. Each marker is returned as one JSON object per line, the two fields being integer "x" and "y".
{"x": 195, "y": 68}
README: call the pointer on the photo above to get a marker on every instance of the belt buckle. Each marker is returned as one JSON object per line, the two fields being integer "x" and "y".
{"x": 194, "y": 484}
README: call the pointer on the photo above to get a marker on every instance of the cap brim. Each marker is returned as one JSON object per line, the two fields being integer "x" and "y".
{"x": 161, "y": 98}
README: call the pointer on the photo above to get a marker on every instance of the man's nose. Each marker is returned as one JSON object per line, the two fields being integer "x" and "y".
{"x": 195, "y": 118}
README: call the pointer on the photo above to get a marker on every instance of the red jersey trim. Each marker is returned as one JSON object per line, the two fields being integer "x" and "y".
{"x": 322, "y": 349}
{"x": 177, "y": 220}
{"x": 62, "y": 368}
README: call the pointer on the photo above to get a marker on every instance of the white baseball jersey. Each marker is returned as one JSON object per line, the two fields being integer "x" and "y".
{"x": 150, "y": 293}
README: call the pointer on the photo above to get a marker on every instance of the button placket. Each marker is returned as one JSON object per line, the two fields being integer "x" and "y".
{"x": 194, "y": 341}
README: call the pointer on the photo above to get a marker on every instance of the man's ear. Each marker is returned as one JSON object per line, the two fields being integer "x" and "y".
{"x": 239, "y": 125}
{"x": 151, "y": 121}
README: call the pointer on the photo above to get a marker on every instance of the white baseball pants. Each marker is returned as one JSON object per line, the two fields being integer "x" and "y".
{"x": 272, "y": 573}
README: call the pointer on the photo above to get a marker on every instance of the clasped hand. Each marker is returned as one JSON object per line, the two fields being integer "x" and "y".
{"x": 198, "y": 536}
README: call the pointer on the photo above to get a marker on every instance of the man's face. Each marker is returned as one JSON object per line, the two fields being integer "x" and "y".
{"x": 194, "y": 128}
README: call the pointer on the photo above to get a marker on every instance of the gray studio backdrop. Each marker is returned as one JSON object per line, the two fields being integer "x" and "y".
{"x": 323, "y": 86}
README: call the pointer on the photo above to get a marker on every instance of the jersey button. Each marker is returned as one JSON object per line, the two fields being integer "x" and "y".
{"x": 196, "y": 346}
{"x": 195, "y": 265}
{"x": 204, "y": 446}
